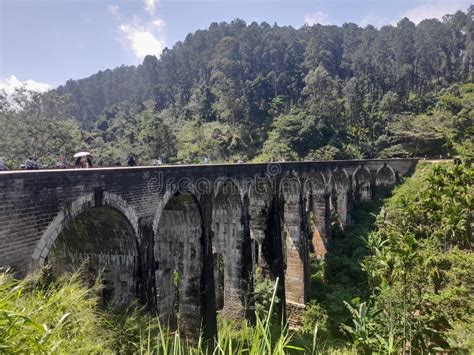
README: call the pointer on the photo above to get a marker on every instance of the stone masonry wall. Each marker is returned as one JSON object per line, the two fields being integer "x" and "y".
{"x": 181, "y": 235}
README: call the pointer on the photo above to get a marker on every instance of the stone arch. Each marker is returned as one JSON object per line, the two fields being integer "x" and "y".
{"x": 290, "y": 185}
{"x": 362, "y": 180}
{"x": 340, "y": 179}
{"x": 178, "y": 259}
{"x": 71, "y": 211}
{"x": 340, "y": 200}
{"x": 169, "y": 193}
{"x": 228, "y": 249}
{"x": 228, "y": 185}
{"x": 315, "y": 182}
{"x": 99, "y": 235}
{"x": 385, "y": 176}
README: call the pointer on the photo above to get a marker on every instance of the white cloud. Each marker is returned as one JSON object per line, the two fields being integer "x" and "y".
{"x": 113, "y": 10}
{"x": 376, "y": 21}
{"x": 8, "y": 87}
{"x": 142, "y": 34}
{"x": 12, "y": 83}
{"x": 316, "y": 17}
{"x": 434, "y": 9}
{"x": 159, "y": 23}
{"x": 142, "y": 40}
{"x": 150, "y": 6}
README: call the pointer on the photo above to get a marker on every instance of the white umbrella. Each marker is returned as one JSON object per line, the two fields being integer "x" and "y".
{"x": 82, "y": 154}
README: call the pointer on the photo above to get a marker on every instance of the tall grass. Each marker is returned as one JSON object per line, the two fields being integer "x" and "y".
{"x": 41, "y": 315}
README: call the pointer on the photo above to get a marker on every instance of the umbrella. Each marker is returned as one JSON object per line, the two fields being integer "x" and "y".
{"x": 82, "y": 154}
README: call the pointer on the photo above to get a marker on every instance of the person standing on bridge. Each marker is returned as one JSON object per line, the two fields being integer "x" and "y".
{"x": 29, "y": 164}
{"x": 131, "y": 161}
{"x": 79, "y": 163}
{"x": 62, "y": 164}
{"x": 35, "y": 164}
{"x": 3, "y": 167}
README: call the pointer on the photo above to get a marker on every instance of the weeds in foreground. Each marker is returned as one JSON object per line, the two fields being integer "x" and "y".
{"x": 40, "y": 315}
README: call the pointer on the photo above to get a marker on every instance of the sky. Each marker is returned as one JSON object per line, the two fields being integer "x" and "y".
{"x": 43, "y": 43}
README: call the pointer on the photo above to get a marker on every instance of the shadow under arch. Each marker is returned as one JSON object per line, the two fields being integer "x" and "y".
{"x": 385, "y": 176}
{"x": 263, "y": 205}
{"x": 260, "y": 204}
{"x": 178, "y": 261}
{"x": 340, "y": 196}
{"x": 362, "y": 181}
{"x": 101, "y": 241}
{"x": 71, "y": 211}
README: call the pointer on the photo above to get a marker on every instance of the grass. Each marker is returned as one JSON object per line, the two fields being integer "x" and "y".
{"x": 41, "y": 317}
{"x": 40, "y": 314}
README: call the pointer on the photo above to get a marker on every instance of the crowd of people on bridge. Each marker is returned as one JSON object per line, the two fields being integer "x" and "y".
{"x": 83, "y": 160}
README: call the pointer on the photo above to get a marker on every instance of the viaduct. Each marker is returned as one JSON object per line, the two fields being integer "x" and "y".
{"x": 186, "y": 240}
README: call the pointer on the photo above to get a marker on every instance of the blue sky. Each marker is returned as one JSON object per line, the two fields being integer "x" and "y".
{"x": 50, "y": 41}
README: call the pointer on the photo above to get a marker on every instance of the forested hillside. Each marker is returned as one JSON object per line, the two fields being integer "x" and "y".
{"x": 256, "y": 91}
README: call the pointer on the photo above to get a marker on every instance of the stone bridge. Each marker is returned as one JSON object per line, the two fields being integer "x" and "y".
{"x": 185, "y": 240}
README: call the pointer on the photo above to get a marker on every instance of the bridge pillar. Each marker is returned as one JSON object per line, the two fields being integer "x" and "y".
{"x": 228, "y": 251}
{"x": 178, "y": 258}
{"x": 208, "y": 295}
{"x": 341, "y": 201}
{"x": 321, "y": 228}
{"x": 265, "y": 230}
{"x": 318, "y": 213}
{"x": 295, "y": 242}
{"x": 147, "y": 265}
{"x": 260, "y": 198}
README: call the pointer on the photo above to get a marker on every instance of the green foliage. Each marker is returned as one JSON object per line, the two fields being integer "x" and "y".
{"x": 217, "y": 141}
{"x": 156, "y": 136}
{"x": 315, "y": 316}
{"x": 263, "y": 294}
{"x": 362, "y": 330}
{"x": 41, "y": 314}
{"x": 421, "y": 263}
{"x": 445, "y": 130}
{"x": 340, "y": 278}
{"x": 32, "y": 132}
{"x": 57, "y": 317}
{"x": 437, "y": 203}
{"x": 317, "y": 92}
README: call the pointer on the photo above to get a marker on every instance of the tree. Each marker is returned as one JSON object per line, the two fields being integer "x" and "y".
{"x": 156, "y": 136}
{"x": 28, "y": 131}
{"x": 226, "y": 79}
{"x": 359, "y": 88}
